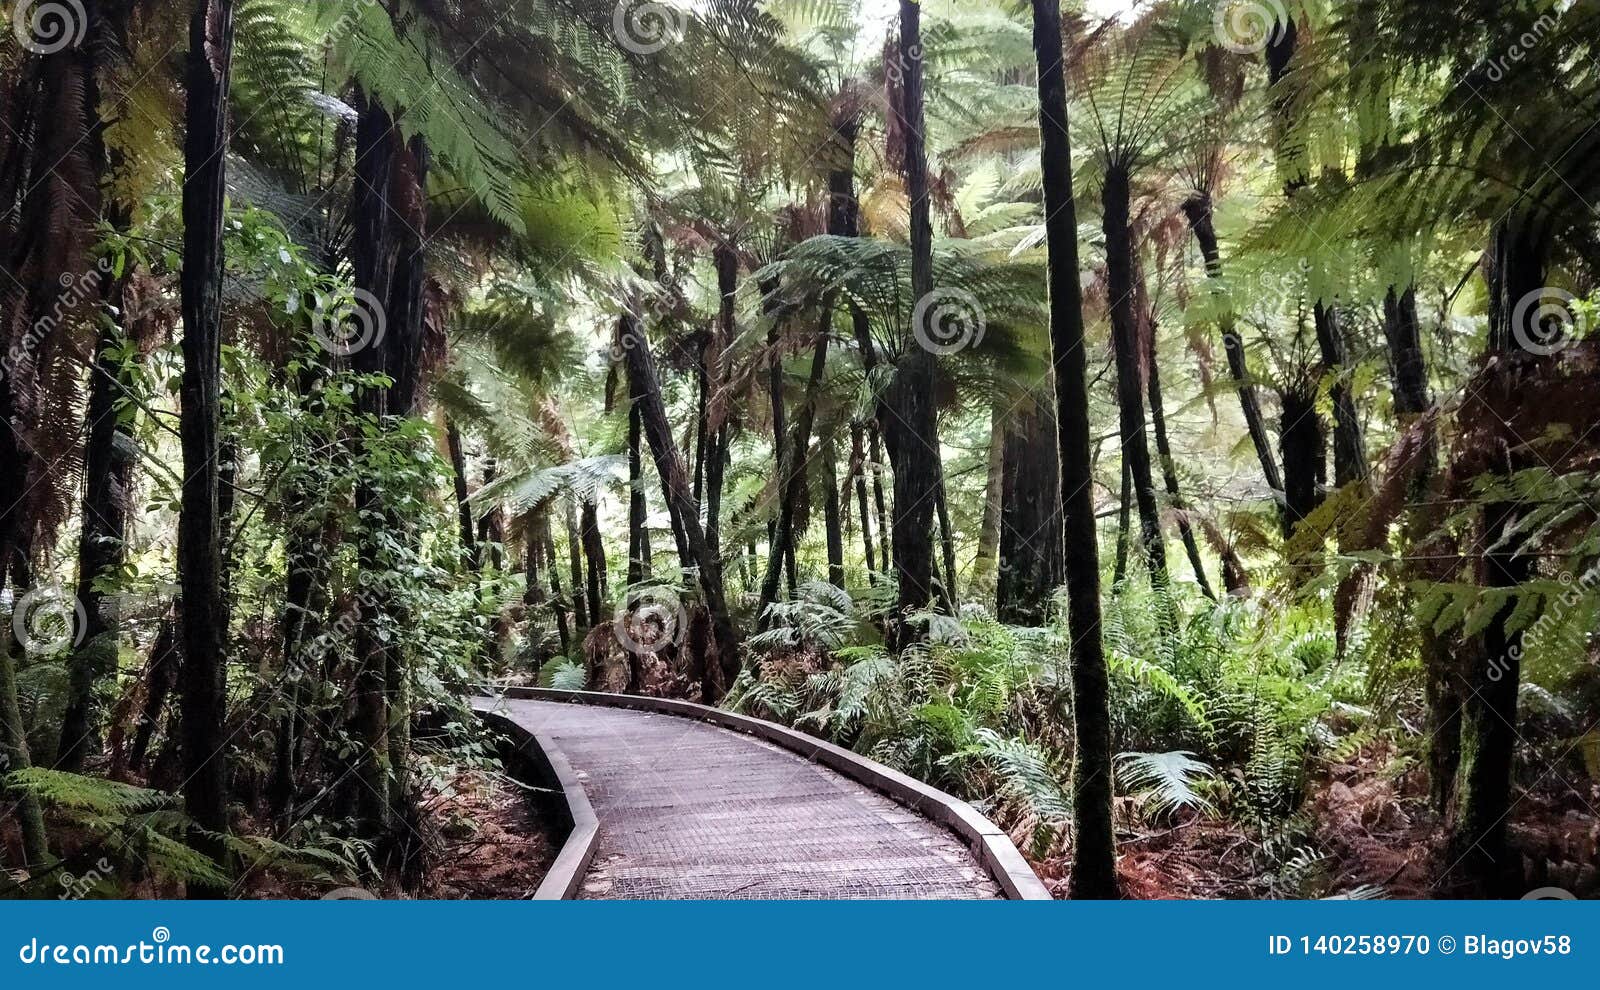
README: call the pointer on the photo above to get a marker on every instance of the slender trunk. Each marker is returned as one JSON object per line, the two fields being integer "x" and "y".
{"x": 1198, "y": 211}
{"x": 1094, "y": 871}
{"x": 913, "y": 433}
{"x": 1130, "y": 380}
{"x": 984, "y": 567}
{"x": 723, "y": 666}
{"x": 203, "y": 678}
{"x": 1124, "y": 517}
{"x": 557, "y": 602}
{"x": 638, "y": 510}
{"x": 1304, "y": 450}
{"x": 858, "y": 457}
{"x": 880, "y": 502}
{"x": 594, "y": 556}
{"x": 947, "y": 546}
{"x": 831, "y": 513}
{"x": 1032, "y": 555}
{"x": 1483, "y": 863}
{"x": 458, "y": 464}
{"x": 580, "y": 603}
{"x": 792, "y": 469}
{"x": 1349, "y": 447}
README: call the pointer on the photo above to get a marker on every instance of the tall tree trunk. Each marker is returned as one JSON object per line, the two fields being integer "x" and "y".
{"x": 1484, "y": 865}
{"x": 858, "y": 458}
{"x": 1197, "y": 209}
{"x": 1304, "y": 450}
{"x": 1119, "y": 572}
{"x": 831, "y": 513}
{"x": 792, "y": 469}
{"x": 203, "y": 678}
{"x": 947, "y": 546}
{"x": 1032, "y": 555}
{"x": 1130, "y": 379}
{"x": 879, "y": 501}
{"x": 638, "y": 509}
{"x": 458, "y": 465}
{"x": 165, "y": 660}
{"x": 557, "y": 601}
{"x": 985, "y": 572}
{"x": 723, "y": 665}
{"x": 594, "y": 556}
{"x": 580, "y": 601}
{"x": 913, "y": 433}
{"x": 1094, "y": 872}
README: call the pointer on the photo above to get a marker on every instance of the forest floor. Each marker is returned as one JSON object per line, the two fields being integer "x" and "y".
{"x": 497, "y": 839}
{"x": 1360, "y": 828}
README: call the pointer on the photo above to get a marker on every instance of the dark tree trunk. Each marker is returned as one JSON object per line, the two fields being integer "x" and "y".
{"x": 1198, "y": 211}
{"x": 458, "y": 464}
{"x": 557, "y": 602}
{"x": 638, "y": 509}
{"x": 1094, "y": 872}
{"x": 203, "y": 677}
{"x": 594, "y": 555}
{"x": 913, "y": 433}
{"x": 580, "y": 601}
{"x": 1032, "y": 555}
{"x": 1130, "y": 380}
{"x": 1119, "y": 573}
{"x": 1349, "y": 446}
{"x": 858, "y": 458}
{"x": 1484, "y": 864}
{"x": 1304, "y": 450}
{"x": 831, "y": 513}
{"x": 879, "y": 501}
{"x": 792, "y": 469}
{"x": 723, "y": 665}
{"x": 985, "y": 571}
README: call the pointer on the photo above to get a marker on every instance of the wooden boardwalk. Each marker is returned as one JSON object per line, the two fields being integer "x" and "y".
{"x": 692, "y": 810}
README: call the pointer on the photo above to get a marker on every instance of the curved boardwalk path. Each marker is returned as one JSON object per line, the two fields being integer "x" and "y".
{"x": 692, "y": 810}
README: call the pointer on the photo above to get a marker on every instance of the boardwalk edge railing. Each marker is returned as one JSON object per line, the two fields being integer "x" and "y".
{"x": 993, "y": 848}
{"x": 565, "y": 875}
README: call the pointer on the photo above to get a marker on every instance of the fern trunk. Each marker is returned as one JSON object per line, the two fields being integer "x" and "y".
{"x": 912, "y": 430}
{"x": 1032, "y": 555}
{"x": 1130, "y": 379}
{"x": 1094, "y": 872}
{"x": 203, "y": 677}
